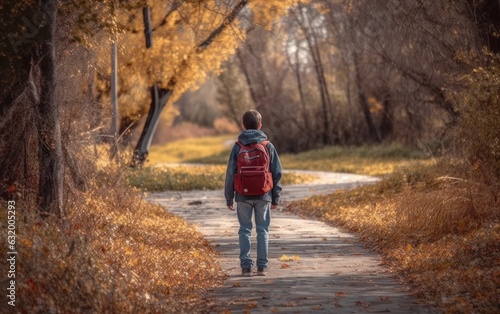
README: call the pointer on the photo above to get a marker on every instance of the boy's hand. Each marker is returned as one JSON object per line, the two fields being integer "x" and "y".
{"x": 274, "y": 206}
{"x": 230, "y": 207}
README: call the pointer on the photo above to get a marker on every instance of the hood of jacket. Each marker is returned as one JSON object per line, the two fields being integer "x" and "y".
{"x": 252, "y": 136}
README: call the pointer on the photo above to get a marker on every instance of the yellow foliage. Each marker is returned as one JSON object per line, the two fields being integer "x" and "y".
{"x": 285, "y": 258}
{"x": 174, "y": 60}
{"x": 265, "y": 12}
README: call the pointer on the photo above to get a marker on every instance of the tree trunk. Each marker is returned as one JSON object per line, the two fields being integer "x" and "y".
{"x": 487, "y": 16}
{"x": 300, "y": 88}
{"x": 253, "y": 92}
{"x": 312, "y": 44}
{"x": 160, "y": 96}
{"x": 363, "y": 102}
{"x": 51, "y": 170}
{"x": 387, "y": 123}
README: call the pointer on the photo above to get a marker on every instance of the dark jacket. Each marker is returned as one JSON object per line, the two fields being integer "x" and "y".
{"x": 246, "y": 137}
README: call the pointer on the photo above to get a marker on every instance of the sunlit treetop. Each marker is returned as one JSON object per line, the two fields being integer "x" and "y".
{"x": 191, "y": 39}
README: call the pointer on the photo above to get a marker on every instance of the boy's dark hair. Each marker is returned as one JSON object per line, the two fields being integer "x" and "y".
{"x": 252, "y": 119}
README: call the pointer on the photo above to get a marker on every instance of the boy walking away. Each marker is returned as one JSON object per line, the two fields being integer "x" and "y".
{"x": 253, "y": 178}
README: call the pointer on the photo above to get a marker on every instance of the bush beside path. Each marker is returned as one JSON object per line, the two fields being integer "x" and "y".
{"x": 313, "y": 266}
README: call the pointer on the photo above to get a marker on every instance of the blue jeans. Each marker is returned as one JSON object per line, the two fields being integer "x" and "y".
{"x": 262, "y": 211}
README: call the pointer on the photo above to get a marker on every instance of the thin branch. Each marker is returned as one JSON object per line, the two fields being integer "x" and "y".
{"x": 164, "y": 20}
{"x": 228, "y": 21}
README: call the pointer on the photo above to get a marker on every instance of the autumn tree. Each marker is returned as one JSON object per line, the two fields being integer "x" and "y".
{"x": 43, "y": 39}
{"x": 30, "y": 56}
{"x": 190, "y": 40}
{"x": 365, "y": 71}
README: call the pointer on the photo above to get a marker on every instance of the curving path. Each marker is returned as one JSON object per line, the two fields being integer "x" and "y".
{"x": 328, "y": 270}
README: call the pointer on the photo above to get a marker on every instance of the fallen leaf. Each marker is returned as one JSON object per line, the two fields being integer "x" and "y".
{"x": 340, "y": 294}
{"x": 12, "y": 189}
{"x": 285, "y": 258}
{"x": 251, "y": 305}
{"x": 363, "y": 304}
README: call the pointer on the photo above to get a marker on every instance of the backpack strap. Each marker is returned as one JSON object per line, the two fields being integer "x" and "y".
{"x": 264, "y": 143}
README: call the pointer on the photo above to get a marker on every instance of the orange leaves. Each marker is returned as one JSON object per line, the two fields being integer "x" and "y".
{"x": 285, "y": 258}
{"x": 408, "y": 247}
{"x": 128, "y": 250}
{"x": 425, "y": 229}
{"x": 285, "y": 266}
{"x": 12, "y": 189}
{"x": 150, "y": 257}
{"x": 363, "y": 304}
{"x": 26, "y": 242}
{"x": 251, "y": 305}
{"x": 32, "y": 286}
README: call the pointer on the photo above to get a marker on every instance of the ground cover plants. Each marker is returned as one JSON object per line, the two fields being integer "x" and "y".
{"x": 367, "y": 159}
{"x": 193, "y": 149}
{"x": 113, "y": 253}
{"x": 433, "y": 224}
{"x": 191, "y": 177}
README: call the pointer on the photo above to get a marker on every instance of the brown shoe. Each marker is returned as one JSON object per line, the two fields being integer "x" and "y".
{"x": 246, "y": 272}
{"x": 261, "y": 271}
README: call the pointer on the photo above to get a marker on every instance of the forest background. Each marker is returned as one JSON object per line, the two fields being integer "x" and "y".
{"x": 423, "y": 74}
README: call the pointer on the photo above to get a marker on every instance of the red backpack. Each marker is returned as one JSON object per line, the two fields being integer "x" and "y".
{"x": 253, "y": 175}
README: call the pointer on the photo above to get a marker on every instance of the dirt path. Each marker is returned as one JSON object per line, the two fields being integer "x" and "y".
{"x": 332, "y": 271}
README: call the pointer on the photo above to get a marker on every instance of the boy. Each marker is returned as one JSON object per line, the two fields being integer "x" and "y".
{"x": 249, "y": 203}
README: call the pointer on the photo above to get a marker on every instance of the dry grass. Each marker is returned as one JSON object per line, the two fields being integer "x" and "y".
{"x": 114, "y": 253}
{"x": 191, "y": 149}
{"x": 190, "y": 177}
{"x": 431, "y": 223}
{"x": 369, "y": 160}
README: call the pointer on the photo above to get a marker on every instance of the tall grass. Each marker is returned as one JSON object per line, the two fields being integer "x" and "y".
{"x": 113, "y": 253}
{"x": 434, "y": 224}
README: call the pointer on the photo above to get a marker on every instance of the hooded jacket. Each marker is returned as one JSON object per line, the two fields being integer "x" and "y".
{"x": 247, "y": 137}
